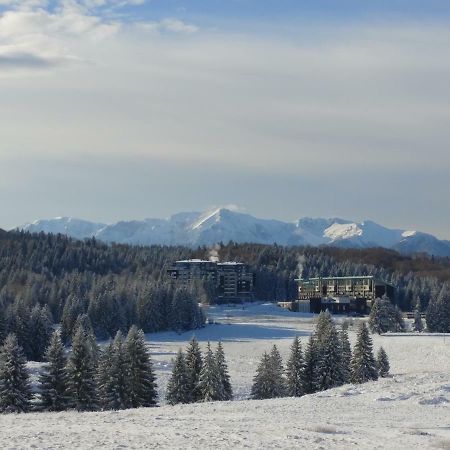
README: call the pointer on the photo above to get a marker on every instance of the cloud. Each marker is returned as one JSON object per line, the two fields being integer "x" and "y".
{"x": 25, "y": 60}
{"x": 169, "y": 25}
{"x": 50, "y": 37}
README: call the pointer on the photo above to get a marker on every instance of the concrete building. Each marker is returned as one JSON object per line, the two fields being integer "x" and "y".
{"x": 233, "y": 281}
{"x": 341, "y": 294}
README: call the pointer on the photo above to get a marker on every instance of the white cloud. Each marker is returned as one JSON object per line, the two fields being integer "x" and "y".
{"x": 30, "y": 32}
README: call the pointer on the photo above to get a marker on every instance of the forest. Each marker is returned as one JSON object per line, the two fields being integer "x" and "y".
{"x": 48, "y": 279}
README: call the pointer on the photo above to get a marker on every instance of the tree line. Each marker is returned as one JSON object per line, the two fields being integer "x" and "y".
{"x": 49, "y": 279}
{"x": 121, "y": 375}
{"x": 118, "y": 377}
{"x": 327, "y": 362}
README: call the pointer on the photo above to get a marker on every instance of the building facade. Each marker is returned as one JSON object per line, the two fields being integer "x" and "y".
{"x": 341, "y": 294}
{"x": 232, "y": 281}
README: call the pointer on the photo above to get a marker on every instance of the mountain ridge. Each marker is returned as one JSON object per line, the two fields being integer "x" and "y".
{"x": 223, "y": 225}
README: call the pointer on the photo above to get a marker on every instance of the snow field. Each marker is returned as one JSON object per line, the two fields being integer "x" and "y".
{"x": 409, "y": 410}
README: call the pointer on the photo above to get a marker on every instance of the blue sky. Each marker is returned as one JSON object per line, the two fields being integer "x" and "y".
{"x": 122, "y": 109}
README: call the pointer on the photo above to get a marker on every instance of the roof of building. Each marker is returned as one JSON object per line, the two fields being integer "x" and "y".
{"x": 355, "y": 277}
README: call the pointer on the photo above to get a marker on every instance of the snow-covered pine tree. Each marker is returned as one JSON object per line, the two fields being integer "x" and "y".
{"x": 382, "y": 363}
{"x": 346, "y": 355}
{"x": 438, "y": 311}
{"x": 81, "y": 373}
{"x": 364, "y": 366}
{"x": 15, "y": 390}
{"x": 41, "y": 324}
{"x": 310, "y": 366}
{"x": 178, "y": 385}
{"x": 103, "y": 375}
{"x": 141, "y": 378}
{"x": 276, "y": 366}
{"x": 112, "y": 378}
{"x": 262, "y": 387}
{"x": 295, "y": 369}
{"x": 222, "y": 367}
{"x": 324, "y": 323}
{"x": 328, "y": 371}
{"x": 194, "y": 364}
{"x": 84, "y": 322}
{"x": 384, "y": 317}
{"x": 209, "y": 385}
{"x": 53, "y": 378}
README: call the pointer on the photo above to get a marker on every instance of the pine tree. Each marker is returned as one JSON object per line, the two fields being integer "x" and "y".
{"x": 178, "y": 386}
{"x": 141, "y": 378}
{"x": 226, "y": 389}
{"x": 346, "y": 355}
{"x": 295, "y": 369}
{"x": 112, "y": 376}
{"x": 194, "y": 364}
{"x": 41, "y": 324}
{"x": 104, "y": 380}
{"x": 328, "y": 370}
{"x": 53, "y": 378}
{"x": 363, "y": 362}
{"x": 382, "y": 363}
{"x": 2, "y": 324}
{"x": 276, "y": 366}
{"x": 418, "y": 325}
{"x": 385, "y": 317}
{"x": 262, "y": 387}
{"x": 209, "y": 385}
{"x": 15, "y": 390}
{"x": 309, "y": 372}
{"x": 81, "y": 373}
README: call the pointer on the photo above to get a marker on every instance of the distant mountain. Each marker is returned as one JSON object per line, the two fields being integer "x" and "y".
{"x": 208, "y": 228}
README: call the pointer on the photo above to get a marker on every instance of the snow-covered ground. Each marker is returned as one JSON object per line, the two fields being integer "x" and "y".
{"x": 409, "y": 410}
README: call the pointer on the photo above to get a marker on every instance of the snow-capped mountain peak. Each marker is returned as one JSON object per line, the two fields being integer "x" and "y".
{"x": 339, "y": 231}
{"x": 224, "y": 225}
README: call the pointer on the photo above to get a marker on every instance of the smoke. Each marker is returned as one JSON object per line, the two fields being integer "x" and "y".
{"x": 300, "y": 265}
{"x": 214, "y": 253}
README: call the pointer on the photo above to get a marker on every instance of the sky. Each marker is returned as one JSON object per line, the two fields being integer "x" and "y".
{"x": 127, "y": 109}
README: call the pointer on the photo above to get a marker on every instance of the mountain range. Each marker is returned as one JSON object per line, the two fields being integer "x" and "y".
{"x": 223, "y": 225}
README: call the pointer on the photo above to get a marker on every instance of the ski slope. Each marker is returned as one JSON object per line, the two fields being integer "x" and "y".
{"x": 409, "y": 410}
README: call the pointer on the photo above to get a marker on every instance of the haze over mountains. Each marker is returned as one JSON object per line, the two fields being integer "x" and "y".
{"x": 223, "y": 225}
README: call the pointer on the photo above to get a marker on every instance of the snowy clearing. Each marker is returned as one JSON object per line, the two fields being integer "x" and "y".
{"x": 410, "y": 409}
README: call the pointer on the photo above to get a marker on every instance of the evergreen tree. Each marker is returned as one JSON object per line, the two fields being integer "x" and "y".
{"x": 53, "y": 378}
{"x": 15, "y": 390}
{"x": 226, "y": 389}
{"x": 209, "y": 385}
{"x": 113, "y": 376}
{"x": 263, "y": 385}
{"x": 141, "y": 378}
{"x": 276, "y": 367}
{"x": 309, "y": 372}
{"x": 385, "y": 317}
{"x": 328, "y": 370}
{"x": 81, "y": 373}
{"x": 295, "y": 369}
{"x": 178, "y": 386}
{"x": 438, "y": 312}
{"x": 2, "y": 324}
{"x": 41, "y": 324}
{"x": 104, "y": 378}
{"x": 194, "y": 364}
{"x": 418, "y": 325}
{"x": 382, "y": 363}
{"x": 363, "y": 362}
{"x": 346, "y": 355}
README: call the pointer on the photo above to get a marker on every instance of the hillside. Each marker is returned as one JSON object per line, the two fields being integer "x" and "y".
{"x": 409, "y": 410}
{"x": 223, "y": 225}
